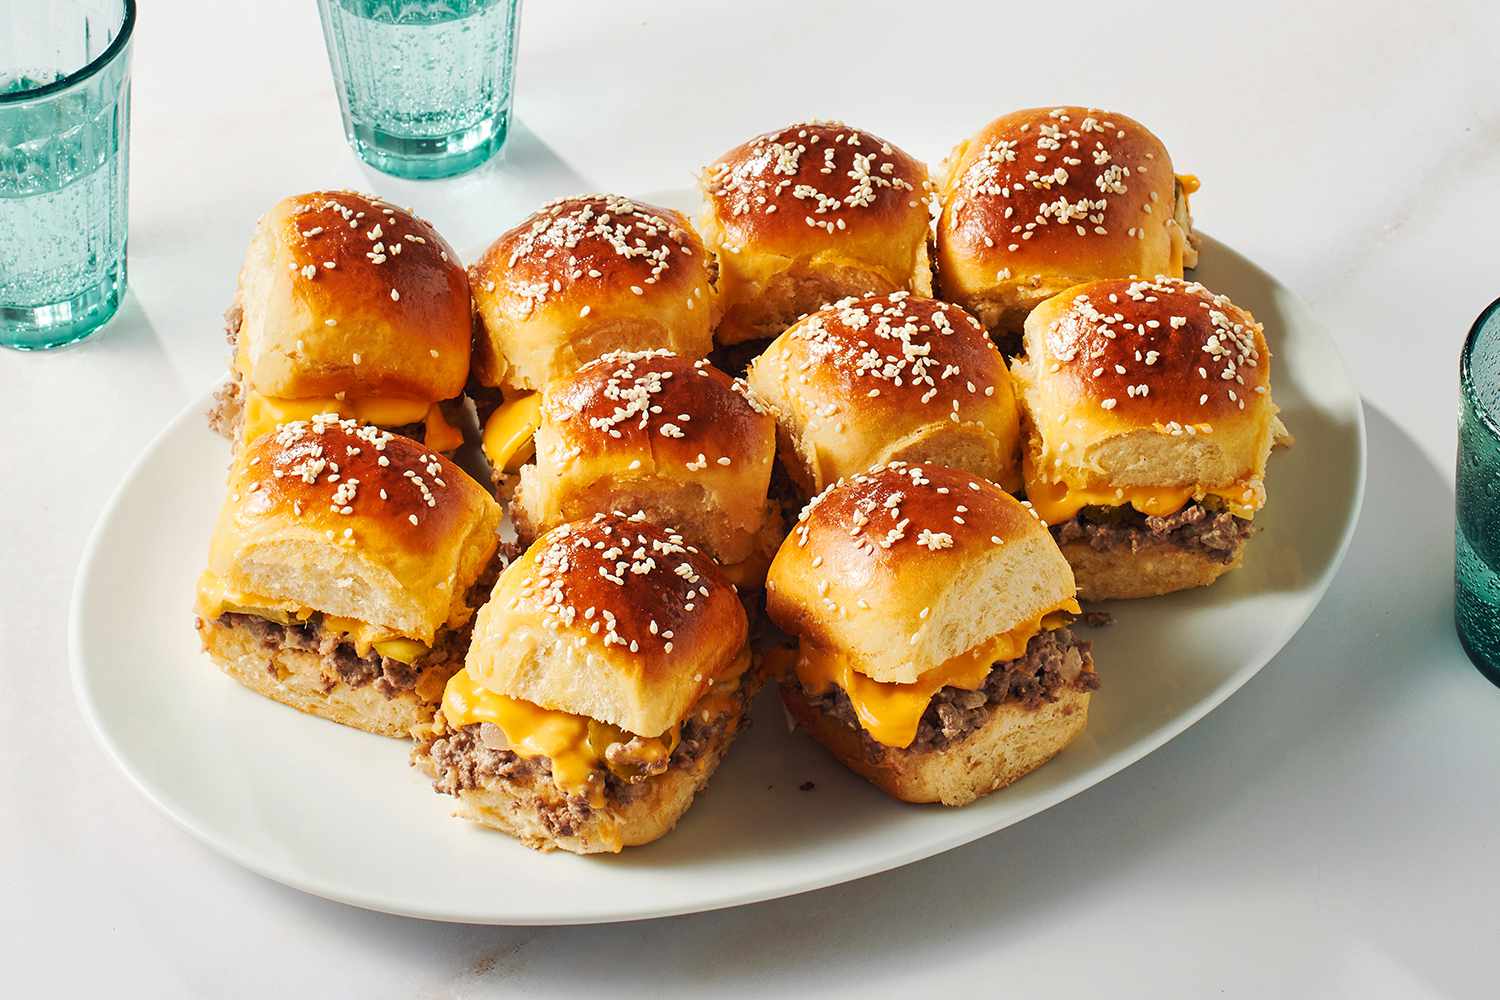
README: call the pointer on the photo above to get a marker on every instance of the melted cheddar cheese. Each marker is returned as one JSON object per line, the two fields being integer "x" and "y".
{"x": 532, "y": 731}
{"x": 509, "y": 432}
{"x": 1190, "y": 183}
{"x": 215, "y": 598}
{"x": 575, "y": 744}
{"x": 263, "y": 414}
{"x": 890, "y": 712}
{"x": 1056, "y": 502}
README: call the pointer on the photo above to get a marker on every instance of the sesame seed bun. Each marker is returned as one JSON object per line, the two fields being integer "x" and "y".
{"x": 351, "y": 521}
{"x": 1043, "y": 199}
{"x": 659, "y": 433}
{"x": 612, "y": 618}
{"x": 906, "y": 566}
{"x": 810, "y": 214}
{"x": 584, "y": 276}
{"x": 1147, "y": 384}
{"x": 345, "y": 293}
{"x": 889, "y": 378}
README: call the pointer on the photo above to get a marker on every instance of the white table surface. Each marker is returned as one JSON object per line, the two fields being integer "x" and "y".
{"x": 1333, "y": 830}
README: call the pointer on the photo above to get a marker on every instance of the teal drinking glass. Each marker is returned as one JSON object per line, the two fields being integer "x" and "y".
{"x": 64, "y": 154}
{"x": 1477, "y": 566}
{"x": 424, "y": 85}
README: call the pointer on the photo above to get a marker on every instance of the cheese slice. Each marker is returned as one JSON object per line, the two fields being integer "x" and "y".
{"x": 1056, "y": 502}
{"x": 404, "y": 650}
{"x": 533, "y": 731}
{"x": 575, "y": 744}
{"x": 437, "y": 433}
{"x": 509, "y": 433}
{"x": 889, "y": 712}
{"x": 264, "y": 414}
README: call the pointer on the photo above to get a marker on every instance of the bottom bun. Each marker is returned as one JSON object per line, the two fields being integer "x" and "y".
{"x": 1014, "y": 742}
{"x": 1154, "y": 568}
{"x": 296, "y": 677}
{"x": 523, "y": 800}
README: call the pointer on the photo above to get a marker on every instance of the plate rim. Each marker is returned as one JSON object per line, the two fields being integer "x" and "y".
{"x": 834, "y": 875}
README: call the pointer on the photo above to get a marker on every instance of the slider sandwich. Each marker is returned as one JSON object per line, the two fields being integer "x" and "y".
{"x": 655, "y": 432}
{"x": 578, "y": 279}
{"x": 602, "y": 688}
{"x": 348, "y": 305}
{"x": 892, "y": 377}
{"x": 810, "y": 214}
{"x": 931, "y": 610}
{"x": 1148, "y": 420}
{"x": 344, "y": 571}
{"x": 1040, "y": 200}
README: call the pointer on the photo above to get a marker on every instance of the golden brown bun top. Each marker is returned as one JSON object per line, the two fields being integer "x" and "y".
{"x": 1053, "y": 190}
{"x": 1147, "y": 383}
{"x": 812, "y": 182}
{"x": 685, "y": 412}
{"x": 900, "y": 353}
{"x": 1156, "y": 352}
{"x": 354, "y": 521}
{"x": 592, "y": 244}
{"x": 614, "y": 618}
{"x": 576, "y": 263}
{"x": 344, "y": 292}
{"x": 906, "y": 566}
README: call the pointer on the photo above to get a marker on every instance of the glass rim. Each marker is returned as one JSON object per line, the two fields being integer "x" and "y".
{"x": 115, "y": 47}
{"x": 1465, "y": 371}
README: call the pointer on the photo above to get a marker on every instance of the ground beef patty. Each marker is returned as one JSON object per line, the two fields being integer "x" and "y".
{"x": 475, "y": 757}
{"x": 229, "y": 399}
{"x": 342, "y": 662}
{"x": 1200, "y": 527}
{"x": 1053, "y": 659}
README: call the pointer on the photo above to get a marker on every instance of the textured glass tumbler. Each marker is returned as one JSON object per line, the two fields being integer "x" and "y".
{"x": 64, "y": 157}
{"x": 1477, "y": 564}
{"x": 424, "y": 85}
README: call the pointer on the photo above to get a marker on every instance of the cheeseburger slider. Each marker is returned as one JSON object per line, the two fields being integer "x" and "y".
{"x": 808, "y": 215}
{"x": 580, "y": 278}
{"x": 343, "y": 572}
{"x": 1040, "y": 200}
{"x": 602, "y": 689}
{"x": 931, "y": 609}
{"x": 658, "y": 433}
{"x": 349, "y": 305}
{"x": 1148, "y": 419}
{"x": 884, "y": 378}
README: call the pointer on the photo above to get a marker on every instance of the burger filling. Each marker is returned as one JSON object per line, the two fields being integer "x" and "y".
{"x": 891, "y": 712}
{"x": 229, "y": 399}
{"x": 592, "y": 766}
{"x": 1053, "y": 661}
{"x": 351, "y": 652}
{"x": 393, "y": 665}
{"x": 1210, "y": 522}
{"x": 1204, "y": 527}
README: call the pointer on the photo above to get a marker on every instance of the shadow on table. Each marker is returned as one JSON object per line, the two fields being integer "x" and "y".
{"x": 1240, "y": 775}
{"x": 525, "y": 174}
